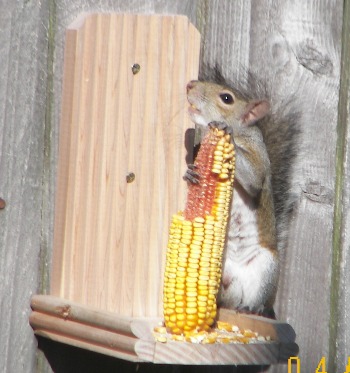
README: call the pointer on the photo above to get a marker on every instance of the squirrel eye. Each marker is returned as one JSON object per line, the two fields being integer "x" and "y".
{"x": 226, "y": 98}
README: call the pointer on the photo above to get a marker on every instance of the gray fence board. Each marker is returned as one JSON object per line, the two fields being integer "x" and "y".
{"x": 22, "y": 112}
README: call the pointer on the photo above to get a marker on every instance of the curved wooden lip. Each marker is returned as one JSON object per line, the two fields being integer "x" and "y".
{"x": 132, "y": 339}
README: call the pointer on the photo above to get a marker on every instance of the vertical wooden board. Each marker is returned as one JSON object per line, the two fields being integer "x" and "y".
{"x": 340, "y": 292}
{"x": 24, "y": 51}
{"x": 294, "y": 50}
{"x": 301, "y": 41}
{"x": 225, "y": 30}
{"x": 110, "y": 235}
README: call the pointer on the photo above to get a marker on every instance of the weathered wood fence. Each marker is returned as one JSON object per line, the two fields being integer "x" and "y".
{"x": 299, "y": 49}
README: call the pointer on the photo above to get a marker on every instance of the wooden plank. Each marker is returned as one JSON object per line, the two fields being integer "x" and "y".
{"x": 306, "y": 64}
{"x": 111, "y": 235}
{"x": 339, "y": 343}
{"x": 132, "y": 339}
{"x": 23, "y": 183}
{"x": 294, "y": 50}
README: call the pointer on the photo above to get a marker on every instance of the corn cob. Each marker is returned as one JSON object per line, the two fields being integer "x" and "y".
{"x": 196, "y": 240}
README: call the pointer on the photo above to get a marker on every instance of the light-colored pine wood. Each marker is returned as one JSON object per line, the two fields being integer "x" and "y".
{"x": 132, "y": 338}
{"x": 110, "y": 235}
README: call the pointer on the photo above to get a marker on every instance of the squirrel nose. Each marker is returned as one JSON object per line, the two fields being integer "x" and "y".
{"x": 190, "y": 85}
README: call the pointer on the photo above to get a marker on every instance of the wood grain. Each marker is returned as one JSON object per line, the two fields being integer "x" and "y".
{"x": 294, "y": 49}
{"x": 340, "y": 280}
{"x": 110, "y": 235}
{"x": 131, "y": 338}
{"x": 23, "y": 90}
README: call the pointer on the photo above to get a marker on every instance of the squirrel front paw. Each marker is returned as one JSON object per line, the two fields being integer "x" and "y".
{"x": 191, "y": 175}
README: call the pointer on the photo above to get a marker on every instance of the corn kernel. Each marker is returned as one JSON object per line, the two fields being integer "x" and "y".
{"x": 196, "y": 240}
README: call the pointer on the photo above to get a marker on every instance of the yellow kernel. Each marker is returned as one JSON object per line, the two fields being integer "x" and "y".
{"x": 203, "y": 287}
{"x": 191, "y": 280}
{"x": 173, "y": 318}
{"x": 191, "y": 299}
{"x": 181, "y": 265}
{"x": 197, "y": 240}
{"x": 191, "y": 324}
{"x": 185, "y": 241}
{"x": 248, "y": 333}
{"x": 223, "y": 176}
{"x": 204, "y": 271}
{"x": 175, "y": 329}
{"x": 186, "y": 222}
{"x": 179, "y": 310}
{"x": 183, "y": 255}
{"x": 191, "y": 311}
{"x": 202, "y": 309}
{"x": 180, "y": 274}
{"x": 180, "y": 303}
{"x": 192, "y": 317}
{"x": 204, "y": 264}
{"x": 186, "y": 237}
{"x": 218, "y": 158}
{"x": 161, "y": 339}
{"x": 195, "y": 248}
{"x": 191, "y": 304}
{"x": 221, "y": 325}
{"x": 203, "y": 291}
{"x": 209, "y": 340}
{"x": 191, "y": 287}
{"x": 179, "y": 338}
{"x": 200, "y": 321}
{"x": 192, "y": 293}
{"x": 210, "y": 321}
{"x": 179, "y": 291}
{"x": 180, "y": 324}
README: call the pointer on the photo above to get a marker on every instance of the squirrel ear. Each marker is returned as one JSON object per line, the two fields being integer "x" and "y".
{"x": 254, "y": 111}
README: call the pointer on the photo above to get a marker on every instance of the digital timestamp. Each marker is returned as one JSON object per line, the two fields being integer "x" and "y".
{"x": 294, "y": 365}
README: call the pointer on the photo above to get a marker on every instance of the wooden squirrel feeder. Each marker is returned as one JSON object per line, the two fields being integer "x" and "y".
{"x": 121, "y": 161}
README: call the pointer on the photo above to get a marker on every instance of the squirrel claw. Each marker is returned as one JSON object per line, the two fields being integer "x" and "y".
{"x": 192, "y": 166}
{"x": 191, "y": 175}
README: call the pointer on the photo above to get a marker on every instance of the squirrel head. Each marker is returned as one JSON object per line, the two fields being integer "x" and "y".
{"x": 211, "y": 102}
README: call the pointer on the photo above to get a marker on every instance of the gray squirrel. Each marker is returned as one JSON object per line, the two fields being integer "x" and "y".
{"x": 265, "y": 144}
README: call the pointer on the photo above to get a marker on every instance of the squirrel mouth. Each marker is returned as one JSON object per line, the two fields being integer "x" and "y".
{"x": 193, "y": 109}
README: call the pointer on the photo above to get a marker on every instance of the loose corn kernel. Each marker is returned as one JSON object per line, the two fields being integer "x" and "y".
{"x": 196, "y": 240}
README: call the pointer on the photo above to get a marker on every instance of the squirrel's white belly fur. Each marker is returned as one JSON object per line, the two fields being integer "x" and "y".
{"x": 249, "y": 269}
